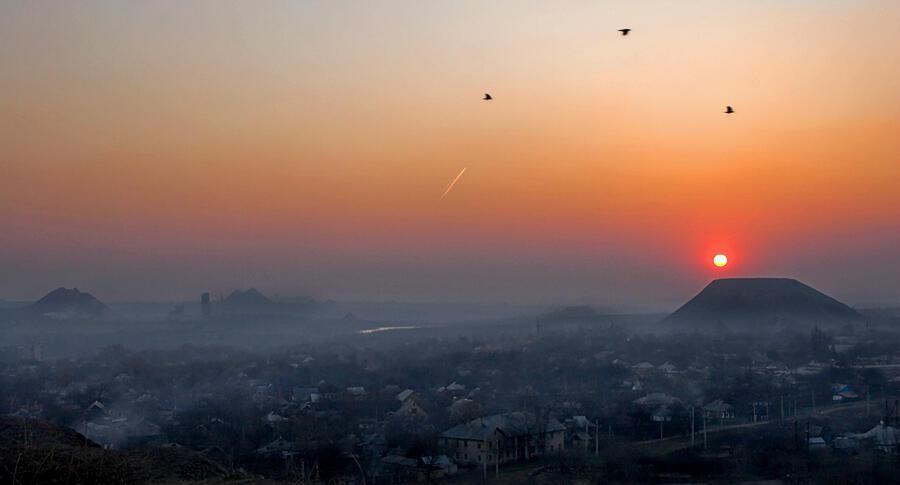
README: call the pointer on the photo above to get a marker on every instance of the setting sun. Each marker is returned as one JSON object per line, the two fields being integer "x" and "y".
{"x": 720, "y": 260}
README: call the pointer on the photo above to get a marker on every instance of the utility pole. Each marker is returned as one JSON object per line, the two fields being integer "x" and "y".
{"x": 796, "y": 438}
{"x": 496, "y": 459}
{"x": 813, "y": 396}
{"x": 807, "y": 437}
{"x": 516, "y": 448}
{"x": 895, "y": 412}
{"x": 782, "y": 409}
{"x": 868, "y": 403}
{"x": 587, "y": 435}
{"x": 704, "y": 430}
{"x": 597, "y": 438}
{"x": 692, "y": 426}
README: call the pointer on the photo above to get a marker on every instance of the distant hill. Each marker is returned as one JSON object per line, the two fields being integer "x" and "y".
{"x": 66, "y": 303}
{"x": 761, "y": 303}
{"x": 253, "y": 303}
{"x": 250, "y": 302}
{"x": 251, "y": 298}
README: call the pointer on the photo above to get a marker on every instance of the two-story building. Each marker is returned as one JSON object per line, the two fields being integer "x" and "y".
{"x": 503, "y": 438}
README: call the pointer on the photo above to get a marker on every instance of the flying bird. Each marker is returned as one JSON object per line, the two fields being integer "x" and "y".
{"x": 450, "y": 187}
{"x": 624, "y": 31}
{"x": 729, "y": 110}
{"x": 487, "y": 97}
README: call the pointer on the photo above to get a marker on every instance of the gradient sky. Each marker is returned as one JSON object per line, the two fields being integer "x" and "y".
{"x": 157, "y": 149}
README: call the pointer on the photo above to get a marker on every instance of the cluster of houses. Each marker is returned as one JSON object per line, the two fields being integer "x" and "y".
{"x": 882, "y": 437}
{"x": 480, "y": 414}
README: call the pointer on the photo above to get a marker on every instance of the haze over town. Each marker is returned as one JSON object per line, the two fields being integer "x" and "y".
{"x": 356, "y": 243}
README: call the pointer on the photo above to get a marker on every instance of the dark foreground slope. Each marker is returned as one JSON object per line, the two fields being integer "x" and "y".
{"x": 760, "y": 304}
{"x": 35, "y": 451}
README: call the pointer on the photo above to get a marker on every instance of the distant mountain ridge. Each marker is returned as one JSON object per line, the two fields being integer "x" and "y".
{"x": 249, "y": 298}
{"x": 253, "y": 302}
{"x": 66, "y": 302}
{"x": 747, "y": 303}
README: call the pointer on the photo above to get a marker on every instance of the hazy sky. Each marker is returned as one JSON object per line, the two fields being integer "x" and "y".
{"x": 157, "y": 149}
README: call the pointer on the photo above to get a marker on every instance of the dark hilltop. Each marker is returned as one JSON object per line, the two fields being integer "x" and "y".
{"x": 751, "y": 304}
{"x": 67, "y": 303}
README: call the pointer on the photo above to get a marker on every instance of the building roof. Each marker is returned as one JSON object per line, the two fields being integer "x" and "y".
{"x": 278, "y": 446}
{"x": 441, "y": 461}
{"x": 399, "y": 460}
{"x": 655, "y": 400}
{"x": 410, "y": 408}
{"x": 509, "y": 424}
{"x": 580, "y": 421}
{"x": 274, "y": 417}
{"x": 581, "y": 436}
{"x": 667, "y": 367}
{"x": 718, "y": 406}
{"x": 304, "y": 393}
{"x": 883, "y": 435}
{"x": 662, "y": 413}
{"x": 452, "y": 387}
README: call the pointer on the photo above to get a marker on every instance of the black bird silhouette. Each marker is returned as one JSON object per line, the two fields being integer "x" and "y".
{"x": 624, "y": 31}
{"x": 487, "y": 97}
{"x": 729, "y": 110}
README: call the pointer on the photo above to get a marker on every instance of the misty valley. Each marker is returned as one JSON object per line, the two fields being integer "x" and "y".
{"x": 753, "y": 379}
{"x": 331, "y": 242}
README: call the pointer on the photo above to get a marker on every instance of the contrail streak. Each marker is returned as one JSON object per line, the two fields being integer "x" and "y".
{"x": 450, "y": 187}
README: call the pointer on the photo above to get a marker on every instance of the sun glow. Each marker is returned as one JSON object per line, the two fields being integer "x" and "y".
{"x": 720, "y": 260}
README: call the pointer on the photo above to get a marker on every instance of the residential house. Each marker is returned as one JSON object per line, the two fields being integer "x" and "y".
{"x": 719, "y": 410}
{"x": 503, "y": 438}
{"x": 668, "y": 368}
{"x": 885, "y": 437}
{"x": 405, "y": 394}
{"x": 356, "y": 391}
{"x": 305, "y": 394}
{"x": 404, "y": 470}
{"x": 453, "y": 389}
{"x": 280, "y": 446}
{"x": 843, "y": 392}
{"x": 411, "y": 409}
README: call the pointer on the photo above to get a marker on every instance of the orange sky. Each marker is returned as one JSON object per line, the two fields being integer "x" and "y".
{"x": 155, "y": 150}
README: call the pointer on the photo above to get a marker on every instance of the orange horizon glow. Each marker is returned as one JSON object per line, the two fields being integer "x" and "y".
{"x": 307, "y": 144}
